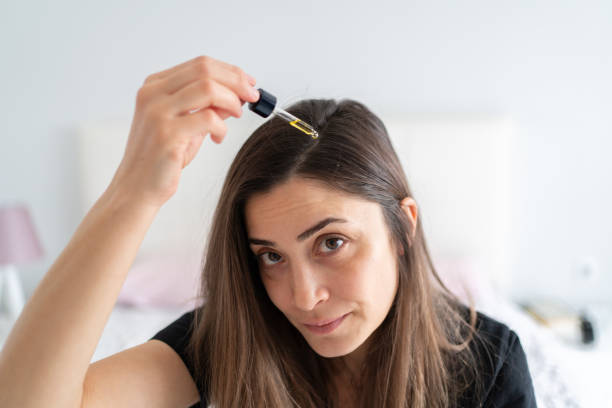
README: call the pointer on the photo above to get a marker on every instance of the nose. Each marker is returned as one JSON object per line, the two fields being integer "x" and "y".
{"x": 308, "y": 287}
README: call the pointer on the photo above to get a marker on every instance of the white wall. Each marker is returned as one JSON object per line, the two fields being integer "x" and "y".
{"x": 546, "y": 64}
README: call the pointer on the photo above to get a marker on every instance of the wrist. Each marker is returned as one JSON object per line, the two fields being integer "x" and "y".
{"x": 119, "y": 200}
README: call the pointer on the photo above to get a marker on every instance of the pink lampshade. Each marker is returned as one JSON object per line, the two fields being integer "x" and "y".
{"x": 18, "y": 240}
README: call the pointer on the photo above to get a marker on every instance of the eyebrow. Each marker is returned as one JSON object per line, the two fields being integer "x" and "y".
{"x": 320, "y": 225}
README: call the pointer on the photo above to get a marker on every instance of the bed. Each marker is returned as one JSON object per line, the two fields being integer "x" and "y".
{"x": 455, "y": 163}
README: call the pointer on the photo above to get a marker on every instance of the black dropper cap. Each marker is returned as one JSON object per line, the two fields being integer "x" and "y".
{"x": 265, "y": 104}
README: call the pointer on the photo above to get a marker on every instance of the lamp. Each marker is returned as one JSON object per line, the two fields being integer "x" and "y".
{"x": 18, "y": 244}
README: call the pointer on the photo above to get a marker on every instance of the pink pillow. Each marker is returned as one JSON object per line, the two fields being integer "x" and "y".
{"x": 162, "y": 280}
{"x": 464, "y": 277}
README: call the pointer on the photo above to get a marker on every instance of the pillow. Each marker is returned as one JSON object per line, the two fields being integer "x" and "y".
{"x": 465, "y": 277}
{"x": 165, "y": 280}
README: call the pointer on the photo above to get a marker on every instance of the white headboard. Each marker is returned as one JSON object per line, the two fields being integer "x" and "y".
{"x": 458, "y": 167}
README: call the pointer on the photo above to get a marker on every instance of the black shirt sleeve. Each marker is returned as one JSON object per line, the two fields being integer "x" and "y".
{"x": 177, "y": 335}
{"x": 505, "y": 372}
{"x": 512, "y": 386}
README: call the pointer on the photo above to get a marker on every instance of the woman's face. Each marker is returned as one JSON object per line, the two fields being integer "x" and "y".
{"x": 326, "y": 260}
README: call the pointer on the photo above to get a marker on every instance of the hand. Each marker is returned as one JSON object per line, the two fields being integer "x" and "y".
{"x": 175, "y": 110}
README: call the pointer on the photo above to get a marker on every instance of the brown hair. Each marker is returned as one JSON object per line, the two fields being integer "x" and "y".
{"x": 247, "y": 354}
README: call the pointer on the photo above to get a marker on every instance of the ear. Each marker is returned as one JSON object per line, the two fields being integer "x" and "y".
{"x": 409, "y": 206}
{"x": 411, "y": 210}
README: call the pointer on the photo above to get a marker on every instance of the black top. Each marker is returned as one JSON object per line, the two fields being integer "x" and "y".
{"x": 504, "y": 372}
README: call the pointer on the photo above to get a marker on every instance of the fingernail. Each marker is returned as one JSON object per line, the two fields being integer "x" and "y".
{"x": 255, "y": 93}
{"x": 251, "y": 79}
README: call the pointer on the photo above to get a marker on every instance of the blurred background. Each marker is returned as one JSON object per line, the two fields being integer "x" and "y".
{"x": 546, "y": 65}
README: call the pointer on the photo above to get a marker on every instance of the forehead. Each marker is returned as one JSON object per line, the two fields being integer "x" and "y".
{"x": 302, "y": 201}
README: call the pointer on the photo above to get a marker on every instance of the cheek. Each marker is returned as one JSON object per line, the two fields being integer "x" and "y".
{"x": 278, "y": 291}
{"x": 370, "y": 278}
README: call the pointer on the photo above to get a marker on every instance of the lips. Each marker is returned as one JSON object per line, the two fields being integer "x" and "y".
{"x": 325, "y": 326}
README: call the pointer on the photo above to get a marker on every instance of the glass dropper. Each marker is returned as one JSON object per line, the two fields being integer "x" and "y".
{"x": 266, "y": 105}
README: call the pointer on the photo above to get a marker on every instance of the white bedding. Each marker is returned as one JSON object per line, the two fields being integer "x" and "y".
{"x": 130, "y": 326}
{"x": 564, "y": 375}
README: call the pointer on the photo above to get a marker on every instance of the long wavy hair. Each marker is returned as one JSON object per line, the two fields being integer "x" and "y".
{"x": 247, "y": 354}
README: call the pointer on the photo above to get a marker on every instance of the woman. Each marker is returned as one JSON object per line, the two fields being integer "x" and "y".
{"x": 318, "y": 287}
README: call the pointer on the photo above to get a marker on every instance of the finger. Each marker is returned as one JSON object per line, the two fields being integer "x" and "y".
{"x": 202, "y": 94}
{"x": 223, "y": 114}
{"x": 252, "y": 80}
{"x": 201, "y": 123}
{"x": 170, "y": 71}
{"x": 234, "y": 68}
{"x": 193, "y": 148}
{"x": 229, "y": 75}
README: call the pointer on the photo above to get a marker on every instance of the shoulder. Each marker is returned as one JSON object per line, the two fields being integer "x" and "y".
{"x": 494, "y": 335}
{"x": 178, "y": 335}
{"x": 503, "y": 372}
{"x": 181, "y": 326}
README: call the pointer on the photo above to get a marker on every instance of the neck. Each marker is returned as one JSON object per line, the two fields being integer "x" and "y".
{"x": 348, "y": 368}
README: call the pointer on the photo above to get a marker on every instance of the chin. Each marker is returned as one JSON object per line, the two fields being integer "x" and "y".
{"x": 332, "y": 347}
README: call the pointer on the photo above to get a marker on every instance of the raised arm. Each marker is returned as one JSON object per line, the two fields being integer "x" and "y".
{"x": 46, "y": 357}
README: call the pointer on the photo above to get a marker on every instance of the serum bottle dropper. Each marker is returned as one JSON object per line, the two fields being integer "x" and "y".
{"x": 266, "y": 105}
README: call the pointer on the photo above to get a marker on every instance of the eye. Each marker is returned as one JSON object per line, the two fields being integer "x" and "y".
{"x": 270, "y": 258}
{"x": 331, "y": 244}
